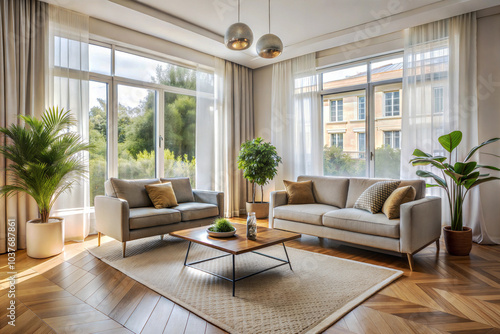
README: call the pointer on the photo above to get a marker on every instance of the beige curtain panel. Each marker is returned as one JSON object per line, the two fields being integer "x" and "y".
{"x": 23, "y": 32}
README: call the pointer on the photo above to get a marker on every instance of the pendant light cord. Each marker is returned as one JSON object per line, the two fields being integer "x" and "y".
{"x": 238, "y": 11}
{"x": 269, "y": 12}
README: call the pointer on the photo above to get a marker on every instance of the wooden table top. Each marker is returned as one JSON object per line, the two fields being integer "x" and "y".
{"x": 237, "y": 244}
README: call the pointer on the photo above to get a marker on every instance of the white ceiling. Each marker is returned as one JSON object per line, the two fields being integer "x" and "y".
{"x": 304, "y": 26}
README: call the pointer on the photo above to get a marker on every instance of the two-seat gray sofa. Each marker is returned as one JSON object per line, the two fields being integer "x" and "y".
{"x": 333, "y": 216}
{"x": 127, "y": 213}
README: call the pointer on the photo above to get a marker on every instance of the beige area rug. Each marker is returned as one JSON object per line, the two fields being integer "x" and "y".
{"x": 309, "y": 299}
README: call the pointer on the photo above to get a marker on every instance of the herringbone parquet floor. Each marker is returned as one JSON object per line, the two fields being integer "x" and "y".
{"x": 77, "y": 293}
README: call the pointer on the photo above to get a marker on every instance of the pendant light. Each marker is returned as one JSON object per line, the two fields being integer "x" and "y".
{"x": 269, "y": 45}
{"x": 238, "y": 36}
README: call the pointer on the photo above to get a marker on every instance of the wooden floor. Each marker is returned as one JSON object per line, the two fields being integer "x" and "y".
{"x": 77, "y": 293}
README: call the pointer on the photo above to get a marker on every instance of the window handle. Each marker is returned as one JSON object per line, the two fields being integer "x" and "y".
{"x": 159, "y": 141}
{"x": 371, "y": 155}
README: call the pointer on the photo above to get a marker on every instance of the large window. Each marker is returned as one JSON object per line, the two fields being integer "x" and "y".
{"x": 371, "y": 93}
{"x": 437, "y": 100}
{"x": 142, "y": 119}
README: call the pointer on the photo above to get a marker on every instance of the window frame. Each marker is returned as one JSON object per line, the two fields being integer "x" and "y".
{"x": 392, "y": 104}
{"x": 336, "y": 112}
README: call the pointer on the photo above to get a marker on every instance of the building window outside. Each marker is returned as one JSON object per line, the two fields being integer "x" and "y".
{"x": 438, "y": 100}
{"x": 337, "y": 139}
{"x": 392, "y": 139}
{"x": 362, "y": 144}
{"x": 336, "y": 110}
{"x": 361, "y": 108}
{"x": 391, "y": 102}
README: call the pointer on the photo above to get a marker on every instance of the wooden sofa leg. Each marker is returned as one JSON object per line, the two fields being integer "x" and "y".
{"x": 437, "y": 245}
{"x": 410, "y": 260}
{"x": 124, "y": 245}
{"x": 98, "y": 239}
{"x": 161, "y": 237}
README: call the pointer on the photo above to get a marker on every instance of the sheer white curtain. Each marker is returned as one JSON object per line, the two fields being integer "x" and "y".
{"x": 68, "y": 88}
{"x": 296, "y": 118}
{"x": 440, "y": 96}
{"x": 221, "y": 129}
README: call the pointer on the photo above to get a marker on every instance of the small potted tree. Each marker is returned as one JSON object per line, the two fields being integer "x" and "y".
{"x": 45, "y": 160}
{"x": 259, "y": 162}
{"x": 457, "y": 179}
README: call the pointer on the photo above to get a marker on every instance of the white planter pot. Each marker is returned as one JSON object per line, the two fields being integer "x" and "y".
{"x": 45, "y": 239}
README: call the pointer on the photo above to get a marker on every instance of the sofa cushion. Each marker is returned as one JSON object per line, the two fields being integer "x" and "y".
{"x": 182, "y": 188}
{"x": 195, "y": 210}
{"x": 149, "y": 217}
{"x": 358, "y": 185}
{"x": 304, "y": 213}
{"x": 392, "y": 205}
{"x": 162, "y": 195}
{"x": 329, "y": 190}
{"x": 361, "y": 221}
{"x": 133, "y": 191}
{"x": 373, "y": 198}
{"x": 299, "y": 192}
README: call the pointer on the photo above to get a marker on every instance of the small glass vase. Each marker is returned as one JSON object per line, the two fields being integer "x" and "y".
{"x": 251, "y": 226}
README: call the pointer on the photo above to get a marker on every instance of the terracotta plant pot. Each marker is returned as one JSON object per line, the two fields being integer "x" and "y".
{"x": 261, "y": 209}
{"x": 458, "y": 242}
{"x": 44, "y": 239}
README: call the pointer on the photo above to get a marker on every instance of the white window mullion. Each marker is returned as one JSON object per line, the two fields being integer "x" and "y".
{"x": 160, "y": 133}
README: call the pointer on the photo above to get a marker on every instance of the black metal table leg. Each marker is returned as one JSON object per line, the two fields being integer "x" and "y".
{"x": 288, "y": 259}
{"x": 187, "y": 253}
{"x": 234, "y": 276}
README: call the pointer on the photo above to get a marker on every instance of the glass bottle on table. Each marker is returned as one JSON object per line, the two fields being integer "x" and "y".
{"x": 251, "y": 226}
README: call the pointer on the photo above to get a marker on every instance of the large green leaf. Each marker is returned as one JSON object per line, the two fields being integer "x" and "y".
{"x": 471, "y": 153}
{"x": 488, "y": 167}
{"x": 439, "y": 180}
{"x": 464, "y": 168}
{"x": 451, "y": 140}
{"x": 480, "y": 181}
{"x": 419, "y": 153}
{"x": 425, "y": 162}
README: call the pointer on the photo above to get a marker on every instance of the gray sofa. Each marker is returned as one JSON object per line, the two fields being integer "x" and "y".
{"x": 333, "y": 216}
{"x": 126, "y": 212}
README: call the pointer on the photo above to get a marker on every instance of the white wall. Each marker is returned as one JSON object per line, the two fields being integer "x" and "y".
{"x": 488, "y": 59}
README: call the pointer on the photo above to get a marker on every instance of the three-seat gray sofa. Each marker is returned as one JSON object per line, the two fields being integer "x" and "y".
{"x": 126, "y": 212}
{"x": 333, "y": 216}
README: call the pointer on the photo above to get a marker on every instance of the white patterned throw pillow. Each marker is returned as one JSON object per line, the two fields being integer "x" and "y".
{"x": 374, "y": 197}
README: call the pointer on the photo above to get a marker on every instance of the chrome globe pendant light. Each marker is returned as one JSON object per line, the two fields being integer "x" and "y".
{"x": 238, "y": 36}
{"x": 269, "y": 45}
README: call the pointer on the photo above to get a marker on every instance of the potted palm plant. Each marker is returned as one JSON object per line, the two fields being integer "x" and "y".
{"x": 45, "y": 160}
{"x": 259, "y": 162}
{"x": 457, "y": 179}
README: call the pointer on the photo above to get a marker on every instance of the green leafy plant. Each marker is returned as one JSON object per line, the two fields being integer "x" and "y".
{"x": 221, "y": 225}
{"x": 45, "y": 158}
{"x": 259, "y": 162}
{"x": 458, "y": 178}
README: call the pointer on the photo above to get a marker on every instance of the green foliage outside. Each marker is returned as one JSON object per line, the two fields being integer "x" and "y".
{"x": 46, "y": 159}
{"x": 221, "y": 225}
{"x": 136, "y": 133}
{"x": 336, "y": 162}
{"x": 259, "y": 162}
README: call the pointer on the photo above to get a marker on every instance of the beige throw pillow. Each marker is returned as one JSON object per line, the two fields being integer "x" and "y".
{"x": 299, "y": 192}
{"x": 162, "y": 195}
{"x": 373, "y": 198}
{"x": 399, "y": 196}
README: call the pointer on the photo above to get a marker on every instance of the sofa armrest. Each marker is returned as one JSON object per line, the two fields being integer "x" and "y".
{"x": 420, "y": 223}
{"x": 211, "y": 197}
{"x": 277, "y": 198}
{"x": 112, "y": 217}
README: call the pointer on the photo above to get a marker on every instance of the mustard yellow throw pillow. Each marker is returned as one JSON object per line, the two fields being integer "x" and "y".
{"x": 299, "y": 192}
{"x": 162, "y": 195}
{"x": 399, "y": 196}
